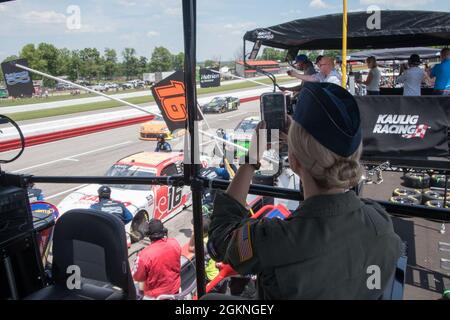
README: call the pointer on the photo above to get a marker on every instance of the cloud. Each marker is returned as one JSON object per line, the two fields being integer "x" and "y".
{"x": 319, "y": 4}
{"x": 2, "y": 8}
{"x": 152, "y": 33}
{"x": 44, "y": 17}
{"x": 398, "y": 3}
{"x": 239, "y": 28}
{"x": 126, "y": 3}
{"x": 173, "y": 11}
{"x": 291, "y": 12}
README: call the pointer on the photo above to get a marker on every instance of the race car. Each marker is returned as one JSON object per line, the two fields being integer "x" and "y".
{"x": 143, "y": 201}
{"x": 221, "y": 104}
{"x": 151, "y": 130}
{"x": 242, "y": 134}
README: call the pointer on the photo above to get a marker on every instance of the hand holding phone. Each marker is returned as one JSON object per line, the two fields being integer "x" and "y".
{"x": 273, "y": 112}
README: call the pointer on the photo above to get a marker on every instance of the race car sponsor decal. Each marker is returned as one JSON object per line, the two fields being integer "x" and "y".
{"x": 400, "y": 124}
{"x": 169, "y": 198}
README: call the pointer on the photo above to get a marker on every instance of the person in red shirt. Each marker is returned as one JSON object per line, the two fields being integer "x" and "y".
{"x": 158, "y": 265}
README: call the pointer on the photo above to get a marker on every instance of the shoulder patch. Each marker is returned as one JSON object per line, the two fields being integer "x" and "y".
{"x": 244, "y": 243}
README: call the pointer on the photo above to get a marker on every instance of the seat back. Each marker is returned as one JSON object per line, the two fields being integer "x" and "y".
{"x": 396, "y": 285}
{"x": 95, "y": 242}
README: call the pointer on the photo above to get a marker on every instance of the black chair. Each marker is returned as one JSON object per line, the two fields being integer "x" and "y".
{"x": 94, "y": 241}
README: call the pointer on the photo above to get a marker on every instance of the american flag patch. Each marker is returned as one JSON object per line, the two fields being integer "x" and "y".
{"x": 244, "y": 243}
{"x": 419, "y": 133}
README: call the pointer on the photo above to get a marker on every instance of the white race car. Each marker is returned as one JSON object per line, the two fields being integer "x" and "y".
{"x": 143, "y": 201}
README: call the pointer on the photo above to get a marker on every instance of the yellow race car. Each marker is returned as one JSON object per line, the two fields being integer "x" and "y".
{"x": 152, "y": 129}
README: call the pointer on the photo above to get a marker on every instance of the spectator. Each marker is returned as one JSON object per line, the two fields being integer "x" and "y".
{"x": 302, "y": 63}
{"x": 441, "y": 72}
{"x": 158, "y": 265}
{"x": 373, "y": 78}
{"x": 413, "y": 77}
{"x": 327, "y": 73}
{"x": 106, "y": 204}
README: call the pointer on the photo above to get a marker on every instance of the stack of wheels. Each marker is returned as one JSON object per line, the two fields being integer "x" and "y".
{"x": 438, "y": 181}
{"x": 437, "y": 204}
{"x": 416, "y": 180}
{"x": 404, "y": 200}
{"x": 406, "y": 193}
{"x": 434, "y": 195}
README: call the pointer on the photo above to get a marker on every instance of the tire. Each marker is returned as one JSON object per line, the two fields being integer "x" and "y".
{"x": 438, "y": 181}
{"x": 404, "y": 200}
{"x": 137, "y": 229}
{"x": 434, "y": 195}
{"x": 405, "y": 192}
{"x": 437, "y": 204}
{"x": 416, "y": 180}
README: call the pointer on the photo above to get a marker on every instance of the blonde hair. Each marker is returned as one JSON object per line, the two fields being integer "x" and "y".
{"x": 328, "y": 169}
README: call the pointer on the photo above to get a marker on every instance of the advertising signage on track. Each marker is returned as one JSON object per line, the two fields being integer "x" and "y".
{"x": 209, "y": 78}
{"x": 18, "y": 81}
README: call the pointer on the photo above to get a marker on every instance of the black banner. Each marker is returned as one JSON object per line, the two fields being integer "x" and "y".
{"x": 405, "y": 126}
{"x": 255, "y": 50}
{"x": 209, "y": 78}
{"x": 18, "y": 81}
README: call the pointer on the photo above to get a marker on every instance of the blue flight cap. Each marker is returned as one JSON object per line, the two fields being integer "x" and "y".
{"x": 301, "y": 58}
{"x": 331, "y": 115}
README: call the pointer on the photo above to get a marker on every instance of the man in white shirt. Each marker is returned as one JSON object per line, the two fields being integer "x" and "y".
{"x": 327, "y": 73}
{"x": 413, "y": 77}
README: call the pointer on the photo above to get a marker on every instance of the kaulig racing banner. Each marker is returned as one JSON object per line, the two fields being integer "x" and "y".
{"x": 405, "y": 127}
{"x": 18, "y": 81}
{"x": 170, "y": 97}
{"x": 209, "y": 78}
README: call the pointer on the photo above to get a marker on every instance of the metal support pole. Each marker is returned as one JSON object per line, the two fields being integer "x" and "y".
{"x": 344, "y": 45}
{"x": 193, "y": 166}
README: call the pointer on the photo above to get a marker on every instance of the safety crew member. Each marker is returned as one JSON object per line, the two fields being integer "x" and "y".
{"x": 329, "y": 246}
{"x": 158, "y": 265}
{"x": 106, "y": 204}
{"x": 162, "y": 145}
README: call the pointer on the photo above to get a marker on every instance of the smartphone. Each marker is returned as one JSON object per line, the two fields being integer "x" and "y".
{"x": 273, "y": 112}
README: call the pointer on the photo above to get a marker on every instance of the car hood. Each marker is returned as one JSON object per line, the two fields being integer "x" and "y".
{"x": 157, "y": 126}
{"x": 83, "y": 198}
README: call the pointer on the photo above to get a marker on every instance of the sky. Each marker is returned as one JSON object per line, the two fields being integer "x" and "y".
{"x": 146, "y": 24}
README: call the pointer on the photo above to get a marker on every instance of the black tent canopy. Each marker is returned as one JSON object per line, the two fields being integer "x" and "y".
{"x": 397, "y": 29}
{"x": 394, "y": 54}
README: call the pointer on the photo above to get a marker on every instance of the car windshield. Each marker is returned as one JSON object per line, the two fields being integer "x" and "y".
{"x": 217, "y": 100}
{"x": 126, "y": 170}
{"x": 247, "y": 125}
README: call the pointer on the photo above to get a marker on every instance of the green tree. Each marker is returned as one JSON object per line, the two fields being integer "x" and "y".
{"x": 142, "y": 66}
{"x": 130, "y": 62}
{"x": 178, "y": 61}
{"x": 273, "y": 54}
{"x": 34, "y": 59}
{"x": 110, "y": 64}
{"x": 63, "y": 61}
{"x": 161, "y": 60}
{"x": 89, "y": 63}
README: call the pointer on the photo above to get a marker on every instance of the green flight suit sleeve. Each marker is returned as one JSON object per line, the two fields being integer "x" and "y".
{"x": 238, "y": 240}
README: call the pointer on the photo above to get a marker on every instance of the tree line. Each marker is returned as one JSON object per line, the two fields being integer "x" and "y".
{"x": 91, "y": 64}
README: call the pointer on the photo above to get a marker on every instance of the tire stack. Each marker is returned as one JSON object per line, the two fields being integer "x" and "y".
{"x": 417, "y": 191}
